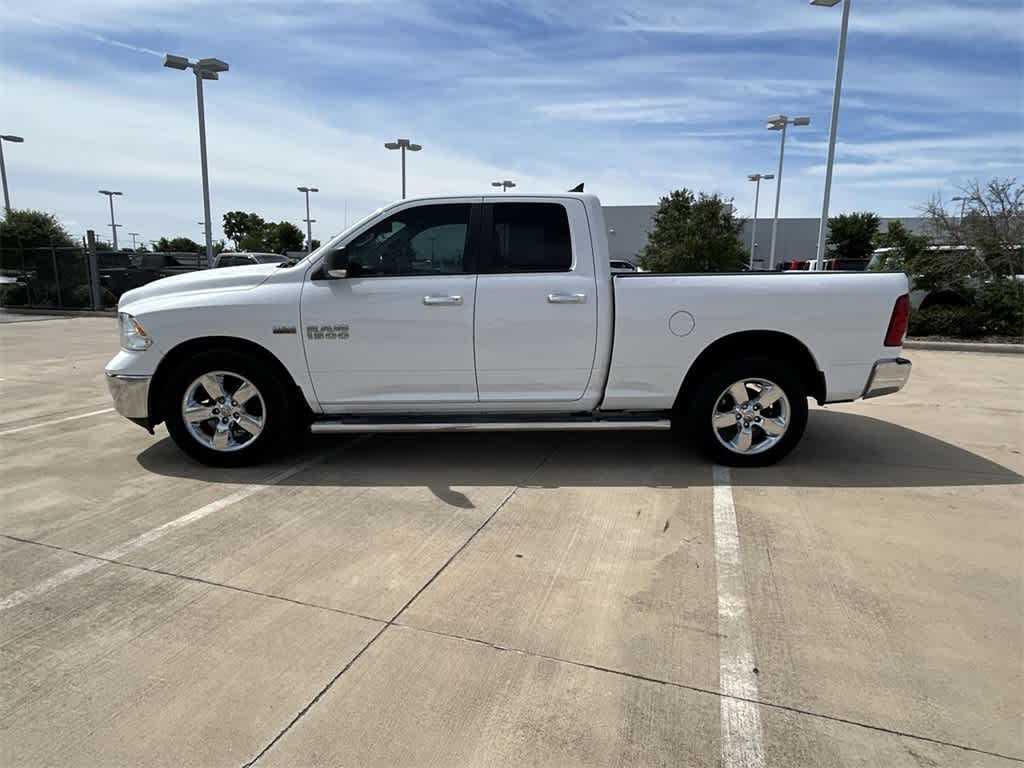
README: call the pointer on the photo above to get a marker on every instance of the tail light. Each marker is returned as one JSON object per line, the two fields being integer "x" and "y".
{"x": 898, "y": 322}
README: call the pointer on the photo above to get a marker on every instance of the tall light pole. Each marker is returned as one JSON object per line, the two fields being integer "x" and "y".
{"x": 113, "y": 226}
{"x": 834, "y": 125}
{"x": 403, "y": 144}
{"x": 503, "y": 184}
{"x": 756, "y": 177}
{"x": 204, "y": 69}
{"x": 3, "y": 168}
{"x": 963, "y": 204}
{"x": 133, "y": 235}
{"x": 309, "y": 221}
{"x": 779, "y": 123}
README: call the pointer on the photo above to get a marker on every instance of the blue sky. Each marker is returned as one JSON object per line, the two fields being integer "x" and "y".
{"x": 634, "y": 98}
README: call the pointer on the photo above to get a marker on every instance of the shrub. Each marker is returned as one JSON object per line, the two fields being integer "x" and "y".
{"x": 944, "y": 320}
{"x": 1002, "y": 304}
{"x": 13, "y": 295}
{"x": 80, "y": 297}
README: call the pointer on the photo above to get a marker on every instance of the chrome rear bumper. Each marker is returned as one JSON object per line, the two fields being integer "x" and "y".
{"x": 131, "y": 396}
{"x": 887, "y": 377}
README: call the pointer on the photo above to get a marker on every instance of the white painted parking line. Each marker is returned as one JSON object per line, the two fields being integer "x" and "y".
{"x": 741, "y": 720}
{"x": 54, "y": 421}
{"x": 19, "y": 597}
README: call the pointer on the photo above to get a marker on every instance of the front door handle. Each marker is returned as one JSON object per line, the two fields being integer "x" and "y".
{"x": 442, "y": 301}
{"x": 566, "y": 298}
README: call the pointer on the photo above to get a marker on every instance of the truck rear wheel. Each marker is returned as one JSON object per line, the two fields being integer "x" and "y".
{"x": 748, "y": 412}
{"x": 226, "y": 408}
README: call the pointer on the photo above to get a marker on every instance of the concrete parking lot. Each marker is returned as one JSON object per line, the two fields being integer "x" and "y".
{"x": 510, "y": 599}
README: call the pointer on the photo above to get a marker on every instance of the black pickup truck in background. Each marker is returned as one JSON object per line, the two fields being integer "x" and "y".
{"x": 121, "y": 271}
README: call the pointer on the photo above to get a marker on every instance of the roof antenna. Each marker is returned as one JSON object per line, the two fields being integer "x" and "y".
{"x": 577, "y": 188}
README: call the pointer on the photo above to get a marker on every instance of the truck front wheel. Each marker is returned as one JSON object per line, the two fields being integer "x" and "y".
{"x": 748, "y": 412}
{"x": 226, "y": 408}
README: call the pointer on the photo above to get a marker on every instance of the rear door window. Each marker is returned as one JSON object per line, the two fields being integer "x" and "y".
{"x": 527, "y": 237}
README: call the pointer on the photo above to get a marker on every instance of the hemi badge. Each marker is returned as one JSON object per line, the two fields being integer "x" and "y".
{"x": 284, "y": 329}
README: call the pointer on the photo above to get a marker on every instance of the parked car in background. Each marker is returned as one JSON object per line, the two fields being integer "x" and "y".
{"x": 481, "y": 313}
{"x": 622, "y": 266}
{"x": 793, "y": 266}
{"x": 229, "y": 259}
{"x": 846, "y": 265}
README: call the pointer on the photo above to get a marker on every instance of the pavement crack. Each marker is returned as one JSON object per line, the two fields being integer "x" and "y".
{"x": 710, "y": 692}
{"x": 323, "y": 691}
{"x": 194, "y": 579}
{"x": 392, "y": 621}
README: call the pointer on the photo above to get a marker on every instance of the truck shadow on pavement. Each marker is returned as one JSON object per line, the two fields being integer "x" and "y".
{"x": 839, "y": 450}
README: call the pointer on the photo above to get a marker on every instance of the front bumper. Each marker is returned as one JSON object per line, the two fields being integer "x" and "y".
{"x": 887, "y": 377}
{"x": 131, "y": 397}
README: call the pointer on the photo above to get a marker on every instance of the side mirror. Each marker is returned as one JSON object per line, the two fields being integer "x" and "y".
{"x": 336, "y": 264}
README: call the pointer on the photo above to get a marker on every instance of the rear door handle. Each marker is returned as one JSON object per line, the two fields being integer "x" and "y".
{"x": 442, "y": 301}
{"x": 566, "y": 298}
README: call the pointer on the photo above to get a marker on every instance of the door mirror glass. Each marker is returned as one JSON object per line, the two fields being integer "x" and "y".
{"x": 336, "y": 263}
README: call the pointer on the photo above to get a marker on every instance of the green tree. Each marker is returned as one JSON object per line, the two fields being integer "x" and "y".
{"x": 852, "y": 235}
{"x": 283, "y": 236}
{"x": 694, "y": 233}
{"x": 33, "y": 229}
{"x": 239, "y": 226}
{"x": 178, "y": 244}
{"x": 906, "y": 249}
{"x": 314, "y": 244}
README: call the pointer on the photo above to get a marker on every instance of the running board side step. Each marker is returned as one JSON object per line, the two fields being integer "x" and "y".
{"x": 336, "y": 427}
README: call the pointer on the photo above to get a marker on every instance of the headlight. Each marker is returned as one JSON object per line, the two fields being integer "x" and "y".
{"x": 133, "y": 335}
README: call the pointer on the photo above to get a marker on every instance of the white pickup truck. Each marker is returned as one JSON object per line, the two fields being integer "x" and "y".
{"x": 497, "y": 313}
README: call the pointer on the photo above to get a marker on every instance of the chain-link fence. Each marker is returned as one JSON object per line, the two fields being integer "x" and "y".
{"x": 45, "y": 277}
{"x": 60, "y": 277}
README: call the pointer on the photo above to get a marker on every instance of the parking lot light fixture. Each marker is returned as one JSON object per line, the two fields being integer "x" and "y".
{"x": 113, "y": 226}
{"x": 403, "y": 145}
{"x": 175, "y": 62}
{"x": 780, "y": 123}
{"x": 963, "y": 205}
{"x": 758, "y": 178}
{"x": 3, "y": 168}
{"x": 204, "y": 69}
{"x": 833, "y": 124}
{"x": 505, "y": 185}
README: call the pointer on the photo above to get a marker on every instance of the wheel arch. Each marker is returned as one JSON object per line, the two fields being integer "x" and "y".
{"x": 782, "y": 346}
{"x": 191, "y": 347}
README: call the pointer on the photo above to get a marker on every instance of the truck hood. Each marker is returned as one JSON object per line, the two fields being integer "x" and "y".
{"x": 224, "y": 279}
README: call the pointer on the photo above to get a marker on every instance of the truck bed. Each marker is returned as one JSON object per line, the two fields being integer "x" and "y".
{"x": 664, "y": 321}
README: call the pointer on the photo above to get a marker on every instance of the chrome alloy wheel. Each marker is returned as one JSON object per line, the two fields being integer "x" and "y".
{"x": 751, "y": 416}
{"x": 223, "y": 411}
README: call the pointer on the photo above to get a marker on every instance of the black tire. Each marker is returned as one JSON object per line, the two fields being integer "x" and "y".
{"x": 706, "y": 396}
{"x": 275, "y": 407}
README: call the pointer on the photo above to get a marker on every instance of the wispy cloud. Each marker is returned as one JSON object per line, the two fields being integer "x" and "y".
{"x": 738, "y": 19}
{"x": 126, "y": 46}
{"x": 633, "y": 98}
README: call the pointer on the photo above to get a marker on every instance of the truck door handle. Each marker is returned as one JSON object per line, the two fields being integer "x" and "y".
{"x": 566, "y": 298}
{"x": 442, "y": 301}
